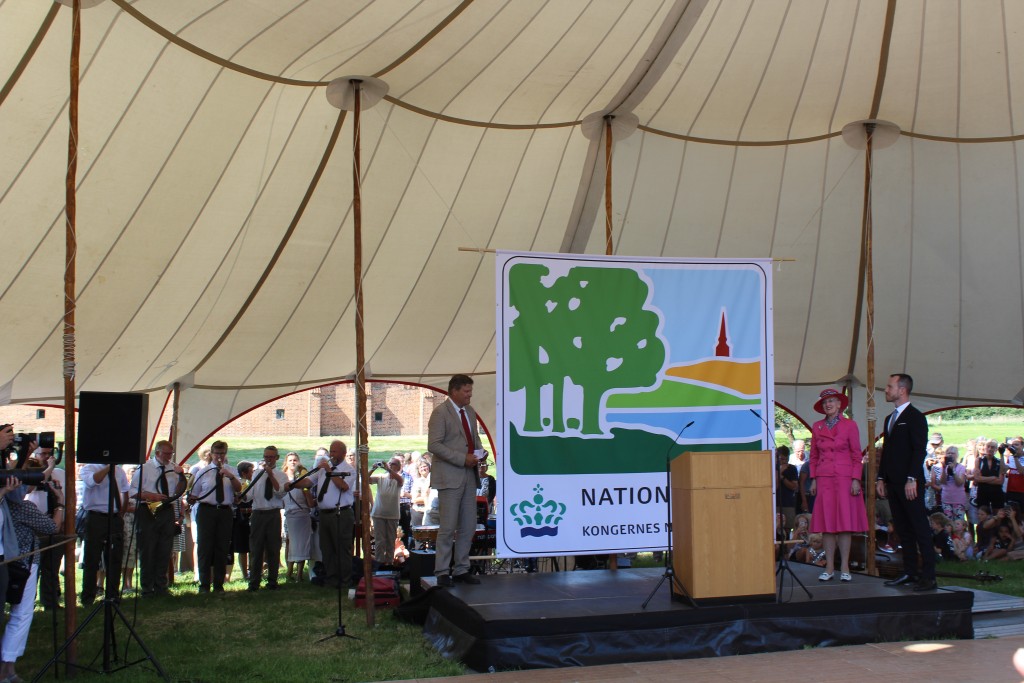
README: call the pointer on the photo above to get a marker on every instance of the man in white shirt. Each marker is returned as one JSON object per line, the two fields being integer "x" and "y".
{"x": 387, "y": 511}
{"x": 214, "y": 491}
{"x": 266, "y": 493}
{"x": 157, "y": 481}
{"x": 104, "y": 530}
{"x": 333, "y": 480}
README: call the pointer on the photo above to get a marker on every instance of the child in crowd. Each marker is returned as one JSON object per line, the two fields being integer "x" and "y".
{"x": 962, "y": 541}
{"x": 984, "y": 532}
{"x": 814, "y": 553}
{"x": 941, "y": 537}
{"x": 999, "y": 546}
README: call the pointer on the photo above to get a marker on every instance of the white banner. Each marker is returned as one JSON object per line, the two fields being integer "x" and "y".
{"x": 609, "y": 367}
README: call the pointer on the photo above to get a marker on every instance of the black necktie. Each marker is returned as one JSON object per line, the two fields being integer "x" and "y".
{"x": 323, "y": 488}
{"x": 161, "y": 482}
{"x": 117, "y": 489}
{"x": 268, "y": 488}
{"x": 220, "y": 487}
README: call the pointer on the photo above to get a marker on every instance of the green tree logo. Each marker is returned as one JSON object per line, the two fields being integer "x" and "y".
{"x": 590, "y": 326}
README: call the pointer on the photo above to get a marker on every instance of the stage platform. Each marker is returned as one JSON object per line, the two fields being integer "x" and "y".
{"x": 587, "y": 618}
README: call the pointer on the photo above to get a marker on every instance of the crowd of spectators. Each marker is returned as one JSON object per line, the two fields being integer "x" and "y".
{"x": 974, "y": 496}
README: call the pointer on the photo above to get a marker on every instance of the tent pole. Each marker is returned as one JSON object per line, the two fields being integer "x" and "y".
{"x": 362, "y": 435}
{"x": 175, "y": 402}
{"x": 869, "y": 128}
{"x": 608, "y": 247}
{"x": 613, "y": 559}
{"x": 70, "y": 255}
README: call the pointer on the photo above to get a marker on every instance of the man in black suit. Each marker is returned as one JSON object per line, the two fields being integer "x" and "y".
{"x": 901, "y": 476}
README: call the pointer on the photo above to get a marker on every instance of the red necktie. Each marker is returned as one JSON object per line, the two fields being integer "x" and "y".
{"x": 465, "y": 428}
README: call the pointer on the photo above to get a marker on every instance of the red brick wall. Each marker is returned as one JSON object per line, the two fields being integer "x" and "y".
{"x": 325, "y": 411}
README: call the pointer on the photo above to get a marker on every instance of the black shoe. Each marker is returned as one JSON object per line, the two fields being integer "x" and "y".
{"x": 445, "y": 581}
{"x": 271, "y": 586}
{"x": 902, "y": 580}
{"x": 317, "y": 581}
{"x": 466, "y": 578}
{"x": 252, "y": 588}
{"x": 204, "y": 589}
{"x": 925, "y": 585}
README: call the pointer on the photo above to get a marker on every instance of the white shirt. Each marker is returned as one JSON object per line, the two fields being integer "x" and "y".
{"x": 334, "y": 497}
{"x": 151, "y": 470}
{"x": 256, "y": 493}
{"x": 95, "y": 497}
{"x": 206, "y": 481}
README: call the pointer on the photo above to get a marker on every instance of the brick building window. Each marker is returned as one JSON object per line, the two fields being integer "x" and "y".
{"x": 40, "y": 414}
{"x": 378, "y": 417}
{"x": 279, "y": 414}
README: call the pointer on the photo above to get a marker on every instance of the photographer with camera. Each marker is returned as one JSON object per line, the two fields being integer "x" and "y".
{"x": 49, "y": 498}
{"x": 1012, "y": 453}
{"x": 334, "y": 480}
{"x": 30, "y": 521}
{"x": 386, "y": 509}
{"x": 950, "y": 480}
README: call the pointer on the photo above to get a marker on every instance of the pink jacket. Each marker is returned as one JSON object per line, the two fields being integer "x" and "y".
{"x": 835, "y": 453}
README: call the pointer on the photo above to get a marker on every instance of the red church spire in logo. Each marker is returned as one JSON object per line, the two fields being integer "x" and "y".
{"x": 722, "y": 349}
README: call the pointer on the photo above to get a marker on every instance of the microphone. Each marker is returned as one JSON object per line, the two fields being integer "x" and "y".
{"x": 771, "y": 435}
{"x": 675, "y": 440}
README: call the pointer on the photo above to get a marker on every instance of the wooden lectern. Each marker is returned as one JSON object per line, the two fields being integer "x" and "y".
{"x": 723, "y": 521}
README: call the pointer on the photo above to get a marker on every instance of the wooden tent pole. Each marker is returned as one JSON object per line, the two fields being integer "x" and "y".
{"x": 608, "y": 247}
{"x": 869, "y": 128}
{"x": 613, "y": 559}
{"x": 70, "y": 252}
{"x": 362, "y": 434}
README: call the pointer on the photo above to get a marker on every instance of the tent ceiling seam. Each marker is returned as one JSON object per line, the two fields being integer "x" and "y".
{"x": 299, "y": 211}
{"x": 30, "y": 52}
{"x": 422, "y": 42}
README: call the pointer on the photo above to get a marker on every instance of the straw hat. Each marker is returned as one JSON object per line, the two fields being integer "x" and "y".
{"x": 831, "y": 393}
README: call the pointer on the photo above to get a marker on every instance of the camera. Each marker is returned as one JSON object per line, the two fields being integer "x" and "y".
{"x": 1003, "y": 447}
{"x": 23, "y": 441}
{"x": 33, "y": 477}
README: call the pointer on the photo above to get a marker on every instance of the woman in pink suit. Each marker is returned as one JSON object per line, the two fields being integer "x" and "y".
{"x": 836, "y": 470}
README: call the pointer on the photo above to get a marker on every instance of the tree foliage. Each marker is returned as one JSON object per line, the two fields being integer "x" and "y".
{"x": 589, "y": 326}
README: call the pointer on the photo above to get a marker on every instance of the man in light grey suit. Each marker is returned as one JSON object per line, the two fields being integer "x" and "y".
{"x": 452, "y": 439}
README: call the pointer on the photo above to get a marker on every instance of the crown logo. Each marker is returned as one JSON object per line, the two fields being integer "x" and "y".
{"x": 538, "y": 517}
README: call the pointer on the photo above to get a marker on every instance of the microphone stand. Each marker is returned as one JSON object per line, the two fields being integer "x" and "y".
{"x": 782, "y": 566}
{"x": 669, "y": 573}
{"x": 339, "y": 632}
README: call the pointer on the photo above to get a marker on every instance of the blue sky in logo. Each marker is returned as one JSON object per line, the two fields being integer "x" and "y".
{"x": 691, "y": 301}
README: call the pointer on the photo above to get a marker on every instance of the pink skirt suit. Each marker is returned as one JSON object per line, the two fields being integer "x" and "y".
{"x": 835, "y": 462}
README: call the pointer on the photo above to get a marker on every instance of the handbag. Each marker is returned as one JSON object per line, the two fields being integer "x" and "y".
{"x": 80, "y": 522}
{"x": 17, "y": 577}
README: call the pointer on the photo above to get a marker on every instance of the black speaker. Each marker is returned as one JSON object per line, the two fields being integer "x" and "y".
{"x": 112, "y": 428}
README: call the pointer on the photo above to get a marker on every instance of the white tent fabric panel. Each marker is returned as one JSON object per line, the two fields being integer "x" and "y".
{"x": 215, "y": 217}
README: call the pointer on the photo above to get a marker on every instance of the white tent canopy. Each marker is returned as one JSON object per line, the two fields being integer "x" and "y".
{"x": 215, "y": 183}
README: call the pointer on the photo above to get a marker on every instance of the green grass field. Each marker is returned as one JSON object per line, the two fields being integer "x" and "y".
{"x": 954, "y": 433}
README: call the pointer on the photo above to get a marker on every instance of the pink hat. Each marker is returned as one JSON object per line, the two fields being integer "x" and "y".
{"x": 831, "y": 393}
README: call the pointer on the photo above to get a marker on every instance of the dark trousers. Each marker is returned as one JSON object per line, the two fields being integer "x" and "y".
{"x": 264, "y": 538}
{"x": 214, "y": 544}
{"x": 156, "y": 538}
{"x": 911, "y": 520}
{"x": 336, "y": 545}
{"x": 405, "y": 521}
{"x": 49, "y": 574}
{"x": 98, "y": 545}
